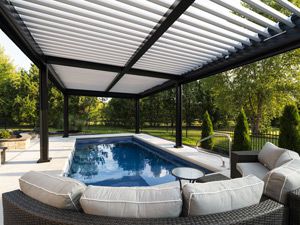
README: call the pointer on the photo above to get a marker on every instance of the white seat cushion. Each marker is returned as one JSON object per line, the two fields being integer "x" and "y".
{"x": 132, "y": 202}
{"x": 257, "y": 169}
{"x": 57, "y": 191}
{"x": 221, "y": 196}
{"x": 281, "y": 180}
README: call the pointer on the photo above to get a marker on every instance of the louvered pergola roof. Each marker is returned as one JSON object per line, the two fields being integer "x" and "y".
{"x": 132, "y": 49}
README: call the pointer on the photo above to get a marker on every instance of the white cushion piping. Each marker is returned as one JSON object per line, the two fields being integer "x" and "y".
{"x": 133, "y": 202}
{"x": 190, "y": 199}
{"x": 136, "y": 188}
{"x": 73, "y": 202}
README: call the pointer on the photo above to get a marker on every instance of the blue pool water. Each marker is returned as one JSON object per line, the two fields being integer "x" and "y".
{"x": 122, "y": 161}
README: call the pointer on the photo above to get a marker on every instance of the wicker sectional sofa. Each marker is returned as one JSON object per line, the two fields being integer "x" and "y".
{"x": 20, "y": 209}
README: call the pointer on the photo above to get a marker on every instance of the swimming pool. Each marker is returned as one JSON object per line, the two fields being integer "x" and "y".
{"x": 123, "y": 161}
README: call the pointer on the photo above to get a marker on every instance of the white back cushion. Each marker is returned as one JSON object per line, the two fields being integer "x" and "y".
{"x": 269, "y": 155}
{"x": 221, "y": 196}
{"x": 285, "y": 157}
{"x": 57, "y": 191}
{"x": 281, "y": 180}
{"x": 132, "y": 202}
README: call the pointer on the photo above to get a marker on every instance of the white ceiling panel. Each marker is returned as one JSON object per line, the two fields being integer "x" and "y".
{"x": 84, "y": 79}
{"x": 115, "y": 28}
{"x": 136, "y": 84}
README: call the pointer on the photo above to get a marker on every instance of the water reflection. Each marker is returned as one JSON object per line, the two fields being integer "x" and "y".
{"x": 119, "y": 164}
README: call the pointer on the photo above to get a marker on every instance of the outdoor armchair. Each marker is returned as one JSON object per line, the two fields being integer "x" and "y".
{"x": 293, "y": 200}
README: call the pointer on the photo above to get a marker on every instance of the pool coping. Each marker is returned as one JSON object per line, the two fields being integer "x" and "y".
{"x": 178, "y": 152}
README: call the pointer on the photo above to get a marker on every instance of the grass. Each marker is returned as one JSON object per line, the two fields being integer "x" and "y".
{"x": 191, "y": 139}
{"x": 193, "y": 134}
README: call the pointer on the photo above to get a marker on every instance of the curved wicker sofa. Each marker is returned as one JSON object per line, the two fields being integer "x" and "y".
{"x": 20, "y": 209}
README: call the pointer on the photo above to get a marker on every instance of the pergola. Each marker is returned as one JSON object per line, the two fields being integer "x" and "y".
{"x": 133, "y": 49}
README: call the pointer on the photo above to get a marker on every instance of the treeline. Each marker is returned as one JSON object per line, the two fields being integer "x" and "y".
{"x": 19, "y": 100}
{"x": 262, "y": 89}
{"x": 159, "y": 110}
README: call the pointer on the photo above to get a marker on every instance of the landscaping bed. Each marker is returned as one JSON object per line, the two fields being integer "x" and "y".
{"x": 14, "y": 140}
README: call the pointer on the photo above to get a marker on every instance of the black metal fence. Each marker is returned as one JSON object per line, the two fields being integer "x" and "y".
{"x": 257, "y": 140}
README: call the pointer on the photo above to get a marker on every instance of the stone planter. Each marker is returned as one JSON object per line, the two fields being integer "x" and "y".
{"x": 16, "y": 143}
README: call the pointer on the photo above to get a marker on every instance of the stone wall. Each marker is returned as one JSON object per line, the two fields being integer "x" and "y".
{"x": 16, "y": 143}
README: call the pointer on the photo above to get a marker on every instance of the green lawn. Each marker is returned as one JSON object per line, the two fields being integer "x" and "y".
{"x": 192, "y": 137}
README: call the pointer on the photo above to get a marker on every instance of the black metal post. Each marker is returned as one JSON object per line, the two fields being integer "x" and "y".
{"x": 178, "y": 117}
{"x": 137, "y": 115}
{"x": 44, "y": 138}
{"x": 66, "y": 116}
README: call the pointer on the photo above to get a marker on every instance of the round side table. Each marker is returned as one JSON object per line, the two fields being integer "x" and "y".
{"x": 187, "y": 173}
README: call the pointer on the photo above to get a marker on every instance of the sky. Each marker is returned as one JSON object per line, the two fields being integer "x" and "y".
{"x": 18, "y": 57}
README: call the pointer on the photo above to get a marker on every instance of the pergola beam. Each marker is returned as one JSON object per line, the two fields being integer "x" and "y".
{"x": 105, "y": 67}
{"x": 101, "y": 94}
{"x": 175, "y": 11}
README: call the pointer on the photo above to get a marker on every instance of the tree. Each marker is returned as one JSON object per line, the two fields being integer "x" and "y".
{"x": 189, "y": 104}
{"x": 262, "y": 88}
{"x": 289, "y": 136}
{"x": 120, "y": 112}
{"x": 26, "y": 100}
{"x": 7, "y": 92}
{"x": 241, "y": 140}
{"x": 207, "y": 130}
